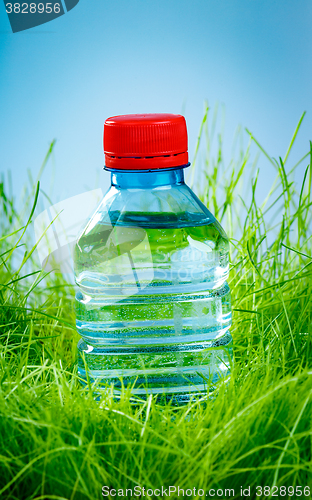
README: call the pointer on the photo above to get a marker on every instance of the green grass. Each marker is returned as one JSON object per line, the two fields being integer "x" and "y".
{"x": 57, "y": 442}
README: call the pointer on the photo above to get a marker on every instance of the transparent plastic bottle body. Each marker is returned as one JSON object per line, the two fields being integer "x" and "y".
{"x": 153, "y": 307}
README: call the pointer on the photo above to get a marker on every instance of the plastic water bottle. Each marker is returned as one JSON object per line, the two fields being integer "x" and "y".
{"x": 153, "y": 307}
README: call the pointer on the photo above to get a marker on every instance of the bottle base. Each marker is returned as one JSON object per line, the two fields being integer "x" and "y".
{"x": 177, "y": 374}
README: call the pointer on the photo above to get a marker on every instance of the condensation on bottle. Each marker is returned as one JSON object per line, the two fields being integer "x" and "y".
{"x": 153, "y": 306}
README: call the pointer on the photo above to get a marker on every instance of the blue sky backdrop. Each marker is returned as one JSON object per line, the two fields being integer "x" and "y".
{"x": 108, "y": 57}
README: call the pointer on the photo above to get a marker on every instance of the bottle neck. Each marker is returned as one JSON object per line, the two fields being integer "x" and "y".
{"x": 147, "y": 179}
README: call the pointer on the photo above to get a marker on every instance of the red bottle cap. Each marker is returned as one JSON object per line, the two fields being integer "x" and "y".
{"x": 139, "y": 142}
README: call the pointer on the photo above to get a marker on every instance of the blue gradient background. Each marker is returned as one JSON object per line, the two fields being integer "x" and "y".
{"x": 108, "y": 57}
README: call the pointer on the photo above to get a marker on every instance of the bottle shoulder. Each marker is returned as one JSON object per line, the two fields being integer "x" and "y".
{"x": 158, "y": 232}
{"x": 161, "y": 207}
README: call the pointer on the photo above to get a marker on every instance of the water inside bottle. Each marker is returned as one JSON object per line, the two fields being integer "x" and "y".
{"x": 154, "y": 308}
